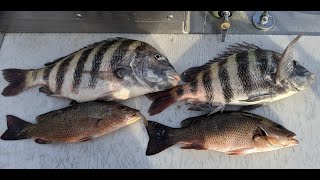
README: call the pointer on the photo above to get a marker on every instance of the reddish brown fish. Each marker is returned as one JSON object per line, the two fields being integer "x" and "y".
{"x": 233, "y": 133}
{"x": 76, "y": 123}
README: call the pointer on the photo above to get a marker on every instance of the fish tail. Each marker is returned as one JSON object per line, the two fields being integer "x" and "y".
{"x": 15, "y": 127}
{"x": 20, "y": 80}
{"x": 163, "y": 99}
{"x": 160, "y": 138}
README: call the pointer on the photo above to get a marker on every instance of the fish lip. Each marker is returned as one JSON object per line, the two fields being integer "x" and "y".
{"x": 293, "y": 141}
{"x": 291, "y": 135}
{"x": 174, "y": 77}
{"x": 135, "y": 114}
{"x": 134, "y": 117}
{"x": 312, "y": 77}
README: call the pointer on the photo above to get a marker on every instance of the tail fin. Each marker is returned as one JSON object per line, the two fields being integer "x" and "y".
{"x": 17, "y": 81}
{"x": 159, "y": 138}
{"x": 15, "y": 126}
{"x": 163, "y": 99}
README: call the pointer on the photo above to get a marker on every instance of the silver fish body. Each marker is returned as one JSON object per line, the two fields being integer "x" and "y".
{"x": 113, "y": 69}
{"x": 244, "y": 75}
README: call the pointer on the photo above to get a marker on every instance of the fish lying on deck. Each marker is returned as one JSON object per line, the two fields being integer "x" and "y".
{"x": 76, "y": 123}
{"x": 113, "y": 69}
{"x": 244, "y": 75}
{"x": 233, "y": 133}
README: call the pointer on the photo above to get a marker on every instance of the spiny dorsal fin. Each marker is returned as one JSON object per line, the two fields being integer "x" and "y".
{"x": 47, "y": 116}
{"x": 285, "y": 66}
{"x": 91, "y": 46}
{"x": 55, "y": 61}
{"x": 187, "y": 122}
{"x": 190, "y": 74}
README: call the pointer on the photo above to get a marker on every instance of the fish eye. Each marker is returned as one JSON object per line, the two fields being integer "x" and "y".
{"x": 157, "y": 56}
{"x": 279, "y": 126}
{"x": 121, "y": 107}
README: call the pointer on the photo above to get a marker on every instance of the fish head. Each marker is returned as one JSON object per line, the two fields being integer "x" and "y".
{"x": 274, "y": 136}
{"x": 118, "y": 115}
{"x": 154, "y": 69}
{"x": 126, "y": 114}
{"x": 300, "y": 78}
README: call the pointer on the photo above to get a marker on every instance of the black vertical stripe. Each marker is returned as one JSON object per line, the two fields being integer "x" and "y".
{"x": 263, "y": 58}
{"x": 46, "y": 72}
{"x": 61, "y": 73}
{"x": 79, "y": 69}
{"x": 243, "y": 71}
{"x": 262, "y": 61}
{"x": 225, "y": 81}
{"x": 121, "y": 51}
{"x": 142, "y": 47}
{"x": 207, "y": 83}
{"x": 97, "y": 60}
{"x": 194, "y": 86}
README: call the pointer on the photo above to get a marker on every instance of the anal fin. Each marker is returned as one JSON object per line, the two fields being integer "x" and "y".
{"x": 84, "y": 139}
{"x": 250, "y": 107}
{"x": 239, "y": 152}
{"x": 209, "y": 107}
{"x": 195, "y": 146}
{"x": 46, "y": 90}
{"x": 257, "y": 98}
{"x": 41, "y": 141}
{"x": 73, "y": 102}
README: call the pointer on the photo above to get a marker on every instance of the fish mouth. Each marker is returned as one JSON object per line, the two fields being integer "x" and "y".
{"x": 292, "y": 140}
{"x": 135, "y": 116}
{"x": 312, "y": 77}
{"x": 174, "y": 77}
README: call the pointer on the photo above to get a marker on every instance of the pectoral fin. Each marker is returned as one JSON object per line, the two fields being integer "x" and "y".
{"x": 257, "y": 98}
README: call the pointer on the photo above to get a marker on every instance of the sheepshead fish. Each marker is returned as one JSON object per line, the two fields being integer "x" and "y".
{"x": 76, "y": 123}
{"x": 111, "y": 70}
{"x": 233, "y": 133}
{"x": 245, "y": 75}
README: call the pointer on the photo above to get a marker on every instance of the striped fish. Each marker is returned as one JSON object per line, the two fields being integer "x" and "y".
{"x": 113, "y": 69}
{"x": 245, "y": 75}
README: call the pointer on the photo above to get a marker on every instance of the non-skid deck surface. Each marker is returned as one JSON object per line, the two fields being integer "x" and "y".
{"x": 126, "y": 147}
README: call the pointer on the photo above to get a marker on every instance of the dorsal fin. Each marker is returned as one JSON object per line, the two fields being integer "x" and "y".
{"x": 190, "y": 74}
{"x": 91, "y": 46}
{"x": 285, "y": 67}
{"x": 47, "y": 116}
{"x": 187, "y": 122}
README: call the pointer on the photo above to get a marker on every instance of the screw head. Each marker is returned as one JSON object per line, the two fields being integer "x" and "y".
{"x": 169, "y": 17}
{"x": 78, "y": 16}
{"x": 225, "y": 25}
